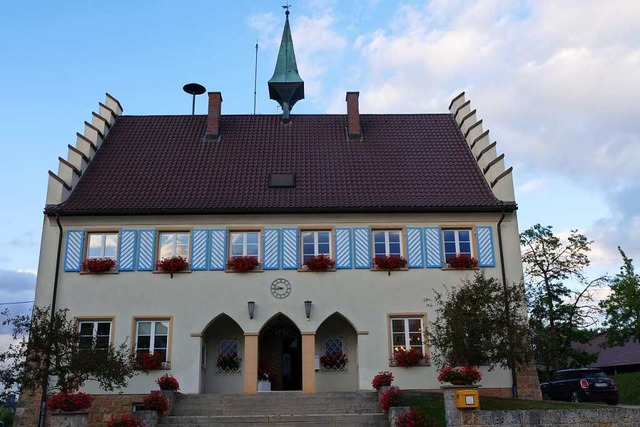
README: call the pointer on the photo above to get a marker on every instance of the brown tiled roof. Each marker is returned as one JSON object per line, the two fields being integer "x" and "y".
{"x": 628, "y": 354}
{"x": 161, "y": 165}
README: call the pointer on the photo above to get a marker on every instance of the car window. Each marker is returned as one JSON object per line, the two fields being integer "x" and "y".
{"x": 594, "y": 374}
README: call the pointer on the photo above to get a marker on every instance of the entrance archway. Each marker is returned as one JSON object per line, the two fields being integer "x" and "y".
{"x": 280, "y": 353}
{"x": 222, "y": 355}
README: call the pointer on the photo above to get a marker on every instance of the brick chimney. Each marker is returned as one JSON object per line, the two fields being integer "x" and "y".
{"x": 353, "y": 116}
{"x": 213, "y": 116}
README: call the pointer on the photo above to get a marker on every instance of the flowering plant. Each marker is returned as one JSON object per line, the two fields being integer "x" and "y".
{"x": 168, "y": 382}
{"x": 319, "y": 263}
{"x": 228, "y": 362}
{"x": 67, "y": 401}
{"x": 149, "y": 361}
{"x": 413, "y": 418}
{"x": 126, "y": 421}
{"x": 172, "y": 264}
{"x": 389, "y": 262}
{"x": 334, "y": 360}
{"x": 390, "y": 398}
{"x": 407, "y": 357}
{"x": 461, "y": 262}
{"x": 156, "y": 401}
{"x": 242, "y": 263}
{"x": 459, "y": 375}
{"x": 98, "y": 265}
{"x": 263, "y": 374}
{"x": 381, "y": 379}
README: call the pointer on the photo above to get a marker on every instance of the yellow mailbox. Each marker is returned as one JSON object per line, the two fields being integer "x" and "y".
{"x": 467, "y": 398}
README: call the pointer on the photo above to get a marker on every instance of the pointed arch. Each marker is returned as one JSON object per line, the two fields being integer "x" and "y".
{"x": 220, "y": 316}
{"x": 342, "y": 317}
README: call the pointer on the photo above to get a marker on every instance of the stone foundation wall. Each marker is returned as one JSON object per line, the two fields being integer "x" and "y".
{"x": 605, "y": 417}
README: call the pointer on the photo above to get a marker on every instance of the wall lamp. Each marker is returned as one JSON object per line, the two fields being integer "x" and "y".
{"x": 307, "y": 309}
{"x": 251, "y": 305}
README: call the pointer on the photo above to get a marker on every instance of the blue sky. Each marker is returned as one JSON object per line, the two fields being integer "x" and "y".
{"x": 557, "y": 84}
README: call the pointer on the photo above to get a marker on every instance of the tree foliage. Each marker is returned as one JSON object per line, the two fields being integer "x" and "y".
{"x": 558, "y": 313}
{"x": 622, "y": 307}
{"x": 479, "y": 323}
{"x": 46, "y": 353}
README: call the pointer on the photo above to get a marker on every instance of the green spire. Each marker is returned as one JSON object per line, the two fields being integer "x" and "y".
{"x": 286, "y": 87}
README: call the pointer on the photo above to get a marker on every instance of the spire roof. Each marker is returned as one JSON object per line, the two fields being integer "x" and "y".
{"x": 286, "y": 86}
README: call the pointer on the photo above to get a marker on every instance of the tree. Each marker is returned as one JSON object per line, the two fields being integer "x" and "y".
{"x": 558, "y": 313}
{"x": 481, "y": 322}
{"x": 622, "y": 307}
{"x": 46, "y": 347}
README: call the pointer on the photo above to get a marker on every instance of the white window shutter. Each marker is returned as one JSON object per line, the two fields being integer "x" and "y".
{"x": 433, "y": 246}
{"x": 73, "y": 250}
{"x": 484, "y": 238}
{"x": 127, "y": 250}
{"x": 199, "y": 250}
{"x": 289, "y": 248}
{"x": 415, "y": 255}
{"x": 362, "y": 247}
{"x": 218, "y": 249}
{"x": 271, "y": 249}
{"x": 342, "y": 246}
{"x": 146, "y": 250}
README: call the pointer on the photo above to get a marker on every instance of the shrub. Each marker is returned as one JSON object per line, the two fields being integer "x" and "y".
{"x": 168, "y": 382}
{"x": 381, "y": 379}
{"x": 69, "y": 402}
{"x": 126, "y": 421}
{"x": 413, "y": 418}
{"x": 390, "y": 398}
{"x": 156, "y": 401}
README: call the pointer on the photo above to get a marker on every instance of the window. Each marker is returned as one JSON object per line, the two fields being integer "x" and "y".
{"x": 407, "y": 333}
{"x": 173, "y": 244}
{"x": 456, "y": 242}
{"x": 152, "y": 336}
{"x": 244, "y": 243}
{"x": 102, "y": 245}
{"x": 315, "y": 243}
{"x": 94, "y": 334}
{"x": 335, "y": 357}
{"x": 387, "y": 242}
{"x": 228, "y": 361}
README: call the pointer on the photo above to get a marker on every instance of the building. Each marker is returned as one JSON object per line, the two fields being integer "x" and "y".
{"x": 282, "y": 189}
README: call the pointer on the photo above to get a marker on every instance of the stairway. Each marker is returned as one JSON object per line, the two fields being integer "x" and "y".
{"x": 286, "y": 409}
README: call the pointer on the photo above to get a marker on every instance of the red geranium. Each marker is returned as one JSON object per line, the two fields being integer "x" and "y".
{"x": 390, "y": 398}
{"x": 168, "y": 382}
{"x": 242, "y": 263}
{"x": 69, "y": 402}
{"x": 334, "y": 360}
{"x": 389, "y": 262}
{"x": 413, "y": 418}
{"x": 126, "y": 421}
{"x": 172, "y": 264}
{"x": 319, "y": 263}
{"x": 156, "y": 401}
{"x": 382, "y": 378}
{"x": 98, "y": 265}
{"x": 459, "y": 375}
{"x": 149, "y": 361}
{"x": 462, "y": 261}
{"x": 408, "y": 357}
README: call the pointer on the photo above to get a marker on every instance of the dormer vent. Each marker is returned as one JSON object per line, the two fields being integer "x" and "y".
{"x": 282, "y": 180}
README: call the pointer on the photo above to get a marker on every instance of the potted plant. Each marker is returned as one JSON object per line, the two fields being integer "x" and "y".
{"x": 411, "y": 418}
{"x": 462, "y": 262}
{"x": 390, "y": 398}
{"x": 407, "y": 357}
{"x": 126, "y": 421}
{"x": 98, "y": 265}
{"x": 264, "y": 381}
{"x": 149, "y": 361}
{"x": 168, "y": 382}
{"x": 459, "y": 375}
{"x": 389, "y": 262}
{"x": 172, "y": 264}
{"x": 228, "y": 362}
{"x": 382, "y": 379}
{"x": 334, "y": 361}
{"x": 319, "y": 263}
{"x": 156, "y": 401}
{"x": 242, "y": 263}
{"x": 69, "y": 408}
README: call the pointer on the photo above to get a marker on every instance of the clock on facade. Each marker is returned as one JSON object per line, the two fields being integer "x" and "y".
{"x": 280, "y": 288}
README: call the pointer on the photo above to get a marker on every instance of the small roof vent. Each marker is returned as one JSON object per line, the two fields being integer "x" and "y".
{"x": 282, "y": 180}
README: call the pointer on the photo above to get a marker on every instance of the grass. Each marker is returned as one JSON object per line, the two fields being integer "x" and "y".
{"x": 629, "y": 388}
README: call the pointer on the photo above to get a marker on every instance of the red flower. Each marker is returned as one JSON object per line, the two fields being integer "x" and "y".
{"x": 460, "y": 375}
{"x": 98, "y": 265}
{"x": 168, "y": 382}
{"x": 242, "y": 263}
{"x": 319, "y": 263}
{"x": 172, "y": 264}
{"x": 335, "y": 360}
{"x": 462, "y": 262}
{"x": 149, "y": 362}
{"x": 126, "y": 421}
{"x": 413, "y": 418}
{"x": 382, "y": 378}
{"x": 156, "y": 401}
{"x": 389, "y": 262}
{"x": 409, "y": 357}
{"x": 69, "y": 402}
{"x": 390, "y": 398}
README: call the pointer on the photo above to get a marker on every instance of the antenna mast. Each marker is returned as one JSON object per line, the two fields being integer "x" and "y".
{"x": 255, "y": 81}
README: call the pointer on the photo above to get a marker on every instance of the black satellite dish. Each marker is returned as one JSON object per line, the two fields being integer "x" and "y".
{"x": 194, "y": 89}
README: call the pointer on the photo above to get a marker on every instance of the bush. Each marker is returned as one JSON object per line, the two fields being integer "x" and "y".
{"x": 6, "y": 416}
{"x": 69, "y": 402}
{"x": 126, "y": 421}
{"x": 168, "y": 382}
{"x": 413, "y": 418}
{"x": 156, "y": 401}
{"x": 390, "y": 398}
{"x": 381, "y": 379}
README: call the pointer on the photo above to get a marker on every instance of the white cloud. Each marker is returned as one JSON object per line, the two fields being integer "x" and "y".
{"x": 535, "y": 185}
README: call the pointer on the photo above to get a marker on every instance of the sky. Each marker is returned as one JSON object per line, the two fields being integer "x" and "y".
{"x": 556, "y": 82}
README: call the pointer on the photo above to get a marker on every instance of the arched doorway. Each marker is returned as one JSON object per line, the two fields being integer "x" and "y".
{"x": 337, "y": 348}
{"x": 280, "y": 353}
{"x": 222, "y": 356}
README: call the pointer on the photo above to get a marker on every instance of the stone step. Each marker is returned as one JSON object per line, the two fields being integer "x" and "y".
{"x": 308, "y": 420}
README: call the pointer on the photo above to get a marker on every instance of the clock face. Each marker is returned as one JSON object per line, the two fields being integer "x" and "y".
{"x": 280, "y": 288}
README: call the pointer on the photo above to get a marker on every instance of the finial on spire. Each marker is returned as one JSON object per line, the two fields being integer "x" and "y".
{"x": 286, "y": 8}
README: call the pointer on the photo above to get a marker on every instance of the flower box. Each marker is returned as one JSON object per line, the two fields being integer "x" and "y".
{"x": 409, "y": 357}
{"x": 459, "y": 375}
{"x": 156, "y": 401}
{"x": 69, "y": 419}
{"x": 69, "y": 402}
{"x": 243, "y": 263}
{"x": 389, "y": 262}
{"x": 462, "y": 262}
{"x": 319, "y": 263}
{"x": 129, "y": 420}
{"x": 98, "y": 265}
{"x": 228, "y": 363}
{"x": 264, "y": 385}
{"x": 172, "y": 265}
{"x": 168, "y": 382}
{"x": 149, "y": 361}
{"x": 382, "y": 379}
{"x": 335, "y": 361}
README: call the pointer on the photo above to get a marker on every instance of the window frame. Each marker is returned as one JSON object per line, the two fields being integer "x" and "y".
{"x": 406, "y": 317}
{"x": 95, "y": 320}
{"x": 244, "y": 231}
{"x": 314, "y": 230}
{"x": 239, "y": 354}
{"x": 456, "y": 230}
{"x": 134, "y": 333}
{"x": 402, "y": 240}
{"x": 159, "y": 234}
{"x": 343, "y": 350}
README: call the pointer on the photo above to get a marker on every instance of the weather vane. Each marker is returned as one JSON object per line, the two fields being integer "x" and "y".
{"x": 286, "y": 8}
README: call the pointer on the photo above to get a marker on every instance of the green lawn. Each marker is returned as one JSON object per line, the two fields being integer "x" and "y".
{"x": 629, "y": 387}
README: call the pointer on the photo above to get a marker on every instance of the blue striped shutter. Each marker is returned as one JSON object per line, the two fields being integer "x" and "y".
{"x": 127, "y": 250}
{"x": 289, "y": 248}
{"x": 433, "y": 246}
{"x": 362, "y": 247}
{"x": 484, "y": 237}
{"x": 200, "y": 250}
{"x": 271, "y": 249}
{"x": 343, "y": 247}
{"x": 218, "y": 249}
{"x": 73, "y": 250}
{"x": 146, "y": 249}
{"x": 415, "y": 258}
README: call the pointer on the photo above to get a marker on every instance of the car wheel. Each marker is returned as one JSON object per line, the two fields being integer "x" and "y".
{"x": 575, "y": 397}
{"x": 612, "y": 402}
